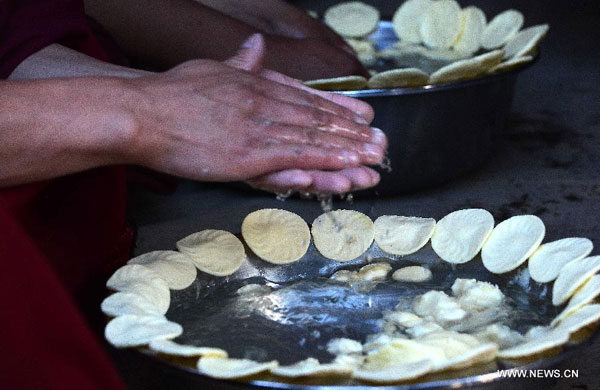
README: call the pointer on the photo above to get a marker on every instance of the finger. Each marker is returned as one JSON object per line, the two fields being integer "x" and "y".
{"x": 278, "y": 157}
{"x": 250, "y": 55}
{"x": 361, "y": 177}
{"x": 369, "y": 153}
{"x": 357, "y": 107}
{"x": 316, "y": 181}
{"x": 283, "y": 181}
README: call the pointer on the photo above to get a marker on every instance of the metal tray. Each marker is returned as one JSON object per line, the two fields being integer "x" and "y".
{"x": 306, "y": 309}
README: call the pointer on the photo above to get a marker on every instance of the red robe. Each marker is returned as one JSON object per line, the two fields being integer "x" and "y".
{"x": 59, "y": 239}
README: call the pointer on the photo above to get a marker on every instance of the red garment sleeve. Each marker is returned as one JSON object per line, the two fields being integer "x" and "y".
{"x": 27, "y": 26}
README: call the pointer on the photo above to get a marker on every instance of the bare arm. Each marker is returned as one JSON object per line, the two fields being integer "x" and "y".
{"x": 204, "y": 120}
{"x": 56, "y": 61}
{"x": 162, "y": 34}
{"x": 51, "y": 128}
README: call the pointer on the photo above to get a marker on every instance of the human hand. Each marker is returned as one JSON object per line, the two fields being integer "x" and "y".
{"x": 297, "y": 44}
{"x": 208, "y": 120}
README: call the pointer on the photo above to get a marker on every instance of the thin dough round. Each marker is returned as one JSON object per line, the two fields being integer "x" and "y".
{"x": 583, "y": 317}
{"x": 140, "y": 280}
{"x": 511, "y": 64}
{"x": 277, "y": 236}
{"x": 124, "y": 303}
{"x": 169, "y": 347}
{"x": 526, "y": 41}
{"x": 216, "y": 252}
{"x": 584, "y": 295}
{"x": 175, "y": 268}
{"x": 467, "y": 69}
{"x": 441, "y": 24}
{"x": 512, "y": 242}
{"x": 226, "y": 368}
{"x": 407, "y": 19}
{"x": 352, "y": 19}
{"x": 342, "y": 235}
{"x": 572, "y": 276}
{"x": 312, "y": 367}
{"x": 414, "y": 273}
{"x": 472, "y": 26}
{"x": 398, "y": 78}
{"x": 134, "y": 331}
{"x": 398, "y": 235}
{"x": 479, "y": 354}
{"x": 501, "y": 29}
{"x": 537, "y": 345}
{"x": 458, "y": 237}
{"x": 345, "y": 83}
{"x": 402, "y": 372}
{"x": 547, "y": 261}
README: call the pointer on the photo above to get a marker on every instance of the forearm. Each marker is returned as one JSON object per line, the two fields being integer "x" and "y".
{"x": 56, "y": 61}
{"x": 51, "y": 128}
{"x": 161, "y": 33}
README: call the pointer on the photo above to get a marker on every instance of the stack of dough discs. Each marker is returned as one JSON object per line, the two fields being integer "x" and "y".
{"x": 216, "y": 252}
{"x": 342, "y": 235}
{"x": 352, "y": 19}
{"x": 276, "y": 236}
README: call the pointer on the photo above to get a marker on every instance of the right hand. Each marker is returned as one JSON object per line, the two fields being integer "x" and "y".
{"x": 215, "y": 121}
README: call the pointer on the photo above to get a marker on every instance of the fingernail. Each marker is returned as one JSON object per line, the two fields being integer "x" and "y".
{"x": 374, "y": 152}
{"x": 360, "y": 119}
{"x": 252, "y": 41}
{"x": 378, "y": 136}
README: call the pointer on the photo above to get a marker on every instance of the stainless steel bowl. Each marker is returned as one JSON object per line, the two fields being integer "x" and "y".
{"x": 437, "y": 132}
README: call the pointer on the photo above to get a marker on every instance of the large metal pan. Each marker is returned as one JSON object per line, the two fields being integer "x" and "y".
{"x": 306, "y": 309}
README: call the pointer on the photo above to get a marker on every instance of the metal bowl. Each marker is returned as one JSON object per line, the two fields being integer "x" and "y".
{"x": 437, "y": 132}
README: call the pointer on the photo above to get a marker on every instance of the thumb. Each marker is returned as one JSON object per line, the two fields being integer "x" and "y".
{"x": 250, "y": 55}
